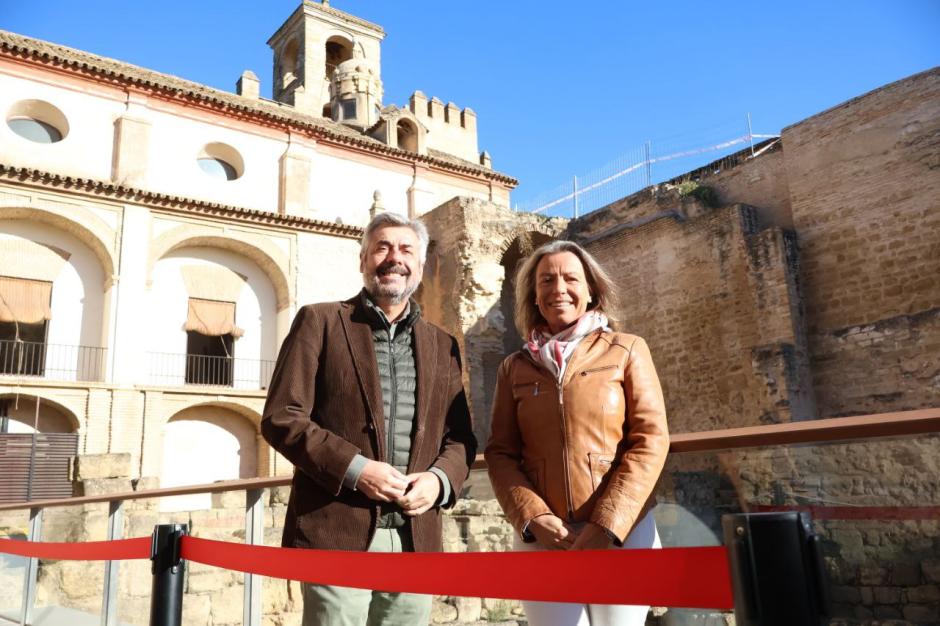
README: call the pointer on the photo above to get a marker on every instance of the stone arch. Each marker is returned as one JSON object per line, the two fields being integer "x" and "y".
{"x": 338, "y": 47}
{"x": 78, "y": 222}
{"x": 527, "y": 234}
{"x": 289, "y": 63}
{"x": 27, "y": 402}
{"x": 406, "y": 134}
{"x": 265, "y": 255}
{"x": 244, "y": 410}
{"x": 517, "y": 247}
{"x": 205, "y": 442}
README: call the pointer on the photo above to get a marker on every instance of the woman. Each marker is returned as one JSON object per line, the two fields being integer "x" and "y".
{"x": 579, "y": 432}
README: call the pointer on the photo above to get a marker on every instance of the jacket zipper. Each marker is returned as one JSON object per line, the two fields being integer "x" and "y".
{"x": 564, "y": 451}
{"x": 597, "y": 369}
{"x": 393, "y": 404}
{"x": 564, "y": 437}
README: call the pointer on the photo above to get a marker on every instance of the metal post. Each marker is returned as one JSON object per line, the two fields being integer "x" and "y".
{"x": 777, "y": 569}
{"x": 575, "y": 195}
{"x": 254, "y": 535}
{"x": 109, "y": 611}
{"x": 32, "y": 569}
{"x": 750, "y": 135}
{"x": 32, "y": 454}
{"x": 649, "y": 164}
{"x": 166, "y": 599}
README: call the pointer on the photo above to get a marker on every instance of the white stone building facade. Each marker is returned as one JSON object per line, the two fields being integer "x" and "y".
{"x": 157, "y": 236}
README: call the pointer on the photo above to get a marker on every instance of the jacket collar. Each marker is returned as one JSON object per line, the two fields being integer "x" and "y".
{"x": 377, "y": 318}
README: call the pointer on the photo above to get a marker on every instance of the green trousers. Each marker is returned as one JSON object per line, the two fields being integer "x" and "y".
{"x": 326, "y": 605}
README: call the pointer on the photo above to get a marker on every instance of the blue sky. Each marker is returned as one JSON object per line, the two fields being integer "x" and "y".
{"x": 560, "y": 88}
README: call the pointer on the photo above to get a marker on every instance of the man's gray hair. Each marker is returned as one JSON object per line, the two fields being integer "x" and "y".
{"x": 394, "y": 219}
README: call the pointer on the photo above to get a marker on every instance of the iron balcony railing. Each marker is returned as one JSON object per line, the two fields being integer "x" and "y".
{"x": 172, "y": 370}
{"x": 52, "y": 361}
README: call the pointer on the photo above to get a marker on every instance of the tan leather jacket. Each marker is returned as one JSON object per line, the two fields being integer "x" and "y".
{"x": 589, "y": 450}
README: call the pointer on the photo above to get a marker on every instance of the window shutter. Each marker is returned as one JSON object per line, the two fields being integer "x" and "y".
{"x": 212, "y": 318}
{"x": 25, "y": 301}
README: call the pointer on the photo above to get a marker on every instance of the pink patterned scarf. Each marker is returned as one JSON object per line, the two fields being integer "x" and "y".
{"x": 553, "y": 351}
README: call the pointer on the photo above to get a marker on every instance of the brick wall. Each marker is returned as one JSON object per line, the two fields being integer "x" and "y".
{"x": 712, "y": 295}
{"x": 864, "y": 181}
{"x": 859, "y": 187}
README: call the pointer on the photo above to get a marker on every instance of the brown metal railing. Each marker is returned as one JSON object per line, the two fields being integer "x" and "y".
{"x": 52, "y": 361}
{"x": 817, "y": 431}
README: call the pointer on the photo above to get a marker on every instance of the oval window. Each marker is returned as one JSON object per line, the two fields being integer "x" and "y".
{"x": 34, "y": 130}
{"x": 221, "y": 161}
{"x": 37, "y": 121}
{"x": 217, "y": 168}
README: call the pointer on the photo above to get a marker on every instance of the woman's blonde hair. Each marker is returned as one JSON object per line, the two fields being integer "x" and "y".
{"x": 600, "y": 286}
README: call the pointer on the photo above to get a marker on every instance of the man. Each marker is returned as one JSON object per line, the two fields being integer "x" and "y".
{"x": 367, "y": 402}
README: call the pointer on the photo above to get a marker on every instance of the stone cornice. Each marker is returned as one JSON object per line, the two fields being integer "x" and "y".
{"x": 187, "y": 93}
{"x": 191, "y": 206}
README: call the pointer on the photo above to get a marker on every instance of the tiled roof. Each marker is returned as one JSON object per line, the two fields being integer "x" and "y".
{"x": 14, "y": 45}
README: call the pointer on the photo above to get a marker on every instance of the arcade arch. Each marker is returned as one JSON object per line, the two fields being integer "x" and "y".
{"x": 22, "y": 413}
{"x": 206, "y": 443}
{"x": 56, "y": 293}
{"x": 217, "y": 308}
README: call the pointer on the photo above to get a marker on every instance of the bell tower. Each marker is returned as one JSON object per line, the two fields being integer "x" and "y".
{"x": 310, "y": 46}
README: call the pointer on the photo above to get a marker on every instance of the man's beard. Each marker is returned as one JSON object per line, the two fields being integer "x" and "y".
{"x": 393, "y": 294}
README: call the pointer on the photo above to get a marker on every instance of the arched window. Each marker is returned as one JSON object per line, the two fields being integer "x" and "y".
{"x": 288, "y": 63}
{"x": 204, "y": 444}
{"x": 407, "y": 136}
{"x": 338, "y": 50}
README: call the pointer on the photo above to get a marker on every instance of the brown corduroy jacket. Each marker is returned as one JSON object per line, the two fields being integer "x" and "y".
{"x": 325, "y": 406}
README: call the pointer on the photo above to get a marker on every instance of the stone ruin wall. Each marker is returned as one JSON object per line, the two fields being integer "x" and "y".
{"x": 864, "y": 183}
{"x": 713, "y": 294}
{"x": 465, "y": 289}
{"x": 855, "y": 191}
{"x": 878, "y": 569}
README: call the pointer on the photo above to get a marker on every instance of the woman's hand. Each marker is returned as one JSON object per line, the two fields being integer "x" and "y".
{"x": 592, "y": 537}
{"x": 552, "y": 532}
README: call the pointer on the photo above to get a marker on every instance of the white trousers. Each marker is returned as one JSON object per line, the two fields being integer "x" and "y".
{"x": 644, "y": 535}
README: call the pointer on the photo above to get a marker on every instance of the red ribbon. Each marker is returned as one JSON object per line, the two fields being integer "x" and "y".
{"x": 671, "y": 577}
{"x": 120, "y": 550}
